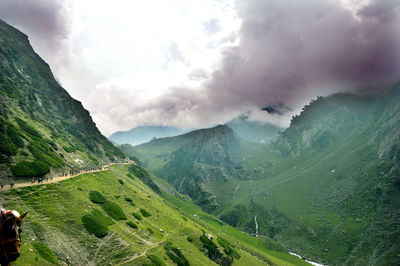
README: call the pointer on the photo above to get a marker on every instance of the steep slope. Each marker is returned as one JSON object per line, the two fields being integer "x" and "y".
{"x": 42, "y": 128}
{"x": 254, "y": 131}
{"x": 142, "y": 134}
{"x": 327, "y": 188}
{"x": 194, "y": 163}
{"x": 112, "y": 217}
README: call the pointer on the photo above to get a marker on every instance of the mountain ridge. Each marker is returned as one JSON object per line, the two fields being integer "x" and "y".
{"x": 143, "y": 134}
{"x": 326, "y": 188}
{"x": 43, "y": 129}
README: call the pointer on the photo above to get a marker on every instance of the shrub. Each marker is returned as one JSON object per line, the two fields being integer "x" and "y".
{"x": 145, "y": 213}
{"x": 150, "y": 230}
{"x": 27, "y": 128}
{"x": 143, "y": 175}
{"x": 68, "y": 148}
{"x": 137, "y": 216}
{"x": 190, "y": 238}
{"x": 93, "y": 159}
{"x": 121, "y": 181}
{"x": 132, "y": 224}
{"x": 156, "y": 261}
{"x": 175, "y": 254}
{"x": 128, "y": 199}
{"x": 29, "y": 169}
{"x": 102, "y": 218}
{"x": 212, "y": 249}
{"x": 94, "y": 225}
{"x": 96, "y": 197}
{"x": 228, "y": 248}
{"x": 14, "y": 135}
{"x": 6, "y": 146}
{"x": 114, "y": 210}
{"x": 45, "y": 252}
{"x": 42, "y": 151}
{"x": 130, "y": 176}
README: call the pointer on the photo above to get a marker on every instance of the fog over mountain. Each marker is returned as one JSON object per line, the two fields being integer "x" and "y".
{"x": 240, "y": 56}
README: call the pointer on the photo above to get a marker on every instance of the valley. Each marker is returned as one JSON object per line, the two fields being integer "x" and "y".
{"x": 326, "y": 188}
{"x": 94, "y": 205}
{"x": 244, "y": 192}
{"x": 56, "y": 213}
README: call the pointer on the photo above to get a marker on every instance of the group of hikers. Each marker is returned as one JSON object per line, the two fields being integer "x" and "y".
{"x": 11, "y": 185}
{"x": 71, "y": 173}
{"x": 40, "y": 180}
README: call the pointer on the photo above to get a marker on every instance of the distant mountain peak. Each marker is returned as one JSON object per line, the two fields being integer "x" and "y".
{"x": 143, "y": 134}
{"x": 279, "y": 109}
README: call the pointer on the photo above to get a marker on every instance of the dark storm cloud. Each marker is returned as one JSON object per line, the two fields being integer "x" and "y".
{"x": 290, "y": 50}
{"x": 45, "y": 21}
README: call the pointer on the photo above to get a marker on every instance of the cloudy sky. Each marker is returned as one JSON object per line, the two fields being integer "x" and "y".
{"x": 194, "y": 64}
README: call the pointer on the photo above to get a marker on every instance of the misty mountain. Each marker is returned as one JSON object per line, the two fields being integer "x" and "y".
{"x": 327, "y": 188}
{"x": 42, "y": 127}
{"x": 142, "y": 134}
{"x": 194, "y": 163}
{"x": 254, "y": 131}
{"x": 117, "y": 215}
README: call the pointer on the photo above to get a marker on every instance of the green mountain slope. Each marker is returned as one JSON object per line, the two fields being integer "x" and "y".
{"x": 126, "y": 224}
{"x": 194, "y": 163}
{"x": 327, "y": 188}
{"x": 42, "y": 128}
{"x": 115, "y": 216}
{"x": 142, "y": 134}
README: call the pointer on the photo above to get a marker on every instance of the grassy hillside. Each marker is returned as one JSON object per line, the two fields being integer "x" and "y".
{"x": 327, "y": 188}
{"x": 42, "y": 129}
{"x": 194, "y": 163}
{"x": 128, "y": 224}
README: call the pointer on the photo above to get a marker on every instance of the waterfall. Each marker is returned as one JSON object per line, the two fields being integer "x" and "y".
{"x": 255, "y": 221}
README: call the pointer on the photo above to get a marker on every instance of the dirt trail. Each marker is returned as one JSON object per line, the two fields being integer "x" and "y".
{"x": 60, "y": 178}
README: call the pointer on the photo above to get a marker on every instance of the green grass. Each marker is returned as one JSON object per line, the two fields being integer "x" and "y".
{"x": 102, "y": 218}
{"x": 114, "y": 210}
{"x": 94, "y": 226}
{"x": 137, "y": 216}
{"x": 29, "y": 169}
{"x": 45, "y": 252}
{"x": 96, "y": 223}
{"x": 244, "y": 240}
{"x": 145, "y": 213}
{"x": 156, "y": 261}
{"x": 97, "y": 197}
{"x": 323, "y": 189}
{"x": 24, "y": 126}
{"x": 64, "y": 206}
{"x": 132, "y": 224}
{"x": 175, "y": 254}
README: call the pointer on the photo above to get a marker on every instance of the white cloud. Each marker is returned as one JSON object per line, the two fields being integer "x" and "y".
{"x": 197, "y": 63}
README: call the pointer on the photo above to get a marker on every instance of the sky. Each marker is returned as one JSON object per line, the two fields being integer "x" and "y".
{"x": 194, "y": 64}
